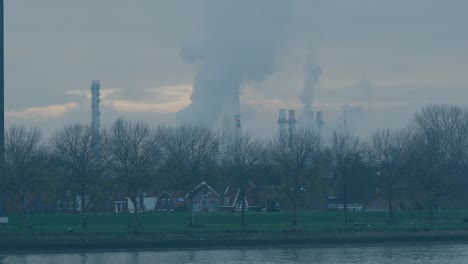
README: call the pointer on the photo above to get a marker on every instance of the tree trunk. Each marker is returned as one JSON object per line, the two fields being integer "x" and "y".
{"x": 83, "y": 209}
{"x": 390, "y": 207}
{"x": 135, "y": 211}
{"x": 243, "y": 205}
{"x": 431, "y": 212}
{"x": 1, "y": 204}
{"x": 192, "y": 213}
{"x": 345, "y": 200}
{"x": 24, "y": 211}
{"x": 294, "y": 213}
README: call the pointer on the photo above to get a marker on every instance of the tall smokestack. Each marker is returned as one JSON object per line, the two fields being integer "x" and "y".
{"x": 319, "y": 120}
{"x": 311, "y": 81}
{"x": 238, "y": 127}
{"x": 307, "y": 119}
{"x": 95, "y": 113}
{"x": 231, "y": 111}
{"x": 292, "y": 122}
{"x": 282, "y": 122}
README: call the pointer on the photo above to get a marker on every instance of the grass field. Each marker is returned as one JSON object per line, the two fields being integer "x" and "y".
{"x": 261, "y": 222}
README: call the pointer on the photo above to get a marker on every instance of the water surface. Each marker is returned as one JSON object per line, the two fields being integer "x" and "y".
{"x": 440, "y": 254}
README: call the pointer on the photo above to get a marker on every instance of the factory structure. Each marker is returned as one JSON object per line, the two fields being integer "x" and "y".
{"x": 231, "y": 118}
{"x": 289, "y": 125}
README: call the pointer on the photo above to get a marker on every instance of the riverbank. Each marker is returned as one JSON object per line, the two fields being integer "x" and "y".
{"x": 223, "y": 230}
{"x": 93, "y": 242}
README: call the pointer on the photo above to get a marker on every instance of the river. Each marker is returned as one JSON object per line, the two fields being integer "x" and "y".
{"x": 381, "y": 254}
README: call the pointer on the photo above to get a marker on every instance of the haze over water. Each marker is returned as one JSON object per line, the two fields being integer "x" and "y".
{"x": 440, "y": 254}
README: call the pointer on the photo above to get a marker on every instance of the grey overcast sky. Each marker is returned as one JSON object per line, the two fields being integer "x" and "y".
{"x": 381, "y": 60}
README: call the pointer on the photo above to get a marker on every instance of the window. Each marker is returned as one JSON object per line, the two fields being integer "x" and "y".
{"x": 59, "y": 205}
{"x": 69, "y": 193}
{"x": 169, "y": 201}
{"x": 226, "y": 201}
{"x": 72, "y": 205}
{"x": 196, "y": 206}
{"x": 118, "y": 208}
{"x": 66, "y": 205}
{"x": 164, "y": 201}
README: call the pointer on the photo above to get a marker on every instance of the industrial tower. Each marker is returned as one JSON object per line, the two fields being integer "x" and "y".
{"x": 95, "y": 113}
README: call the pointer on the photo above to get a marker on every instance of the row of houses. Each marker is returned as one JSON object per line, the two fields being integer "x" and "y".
{"x": 202, "y": 198}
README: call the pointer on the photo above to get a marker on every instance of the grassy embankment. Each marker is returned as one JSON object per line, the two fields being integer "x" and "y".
{"x": 176, "y": 223}
{"x": 163, "y": 231}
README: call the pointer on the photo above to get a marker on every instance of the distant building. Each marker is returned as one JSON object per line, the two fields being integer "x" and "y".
{"x": 204, "y": 198}
{"x": 335, "y": 204}
{"x": 232, "y": 200}
{"x": 170, "y": 202}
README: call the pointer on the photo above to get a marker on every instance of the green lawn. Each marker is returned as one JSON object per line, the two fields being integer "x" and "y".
{"x": 172, "y": 223}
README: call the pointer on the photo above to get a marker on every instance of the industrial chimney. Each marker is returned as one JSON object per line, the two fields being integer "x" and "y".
{"x": 95, "y": 113}
{"x": 231, "y": 111}
{"x": 282, "y": 122}
{"x": 319, "y": 120}
{"x": 292, "y": 122}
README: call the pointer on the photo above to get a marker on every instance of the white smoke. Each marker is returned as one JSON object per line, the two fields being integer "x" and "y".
{"x": 241, "y": 42}
{"x": 311, "y": 81}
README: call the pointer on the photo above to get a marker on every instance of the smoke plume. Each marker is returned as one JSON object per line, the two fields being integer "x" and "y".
{"x": 311, "y": 81}
{"x": 241, "y": 40}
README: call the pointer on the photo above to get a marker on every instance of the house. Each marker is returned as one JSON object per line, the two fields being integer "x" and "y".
{"x": 335, "y": 204}
{"x": 170, "y": 202}
{"x": 232, "y": 200}
{"x": 120, "y": 206}
{"x": 204, "y": 198}
{"x": 67, "y": 202}
{"x": 144, "y": 204}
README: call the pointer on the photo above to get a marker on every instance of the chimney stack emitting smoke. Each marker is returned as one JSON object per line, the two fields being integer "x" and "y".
{"x": 242, "y": 40}
{"x": 282, "y": 122}
{"x": 311, "y": 81}
{"x": 95, "y": 113}
{"x": 319, "y": 120}
{"x": 292, "y": 122}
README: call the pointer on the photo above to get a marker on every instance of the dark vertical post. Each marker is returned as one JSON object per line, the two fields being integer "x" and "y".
{"x": 2, "y": 84}
{"x": 2, "y": 105}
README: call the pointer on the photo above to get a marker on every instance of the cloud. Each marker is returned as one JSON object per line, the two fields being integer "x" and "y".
{"x": 170, "y": 99}
{"x": 42, "y": 113}
{"x": 129, "y": 106}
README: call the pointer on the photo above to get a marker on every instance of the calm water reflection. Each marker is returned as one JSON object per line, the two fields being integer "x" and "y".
{"x": 440, "y": 254}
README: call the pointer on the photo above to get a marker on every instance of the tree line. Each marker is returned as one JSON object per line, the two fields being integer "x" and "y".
{"x": 422, "y": 166}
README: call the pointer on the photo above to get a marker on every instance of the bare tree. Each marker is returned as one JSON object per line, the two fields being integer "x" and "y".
{"x": 75, "y": 149}
{"x": 297, "y": 158}
{"x": 23, "y": 151}
{"x": 387, "y": 153}
{"x": 439, "y": 150}
{"x": 242, "y": 157}
{"x": 132, "y": 151}
{"x": 189, "y": 154}
{"x": 346, "y": 153}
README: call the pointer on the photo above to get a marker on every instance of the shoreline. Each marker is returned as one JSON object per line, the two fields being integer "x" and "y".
{"x": 143, "y": 242}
